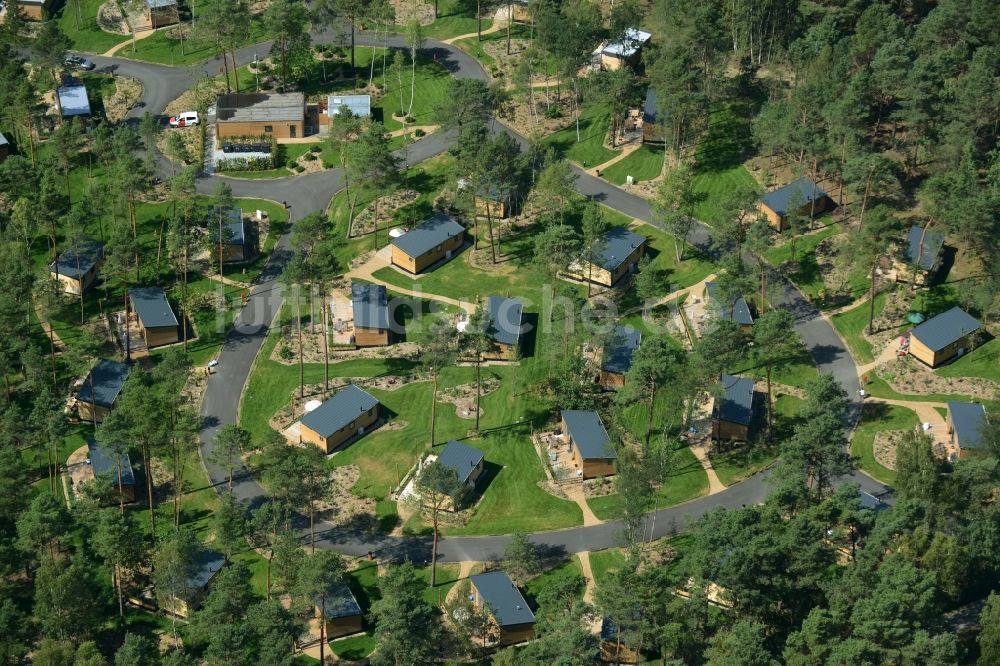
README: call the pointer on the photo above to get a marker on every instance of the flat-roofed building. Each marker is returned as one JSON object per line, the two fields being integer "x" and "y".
{"x": 343, "y": 613}
{"x": 239, "y": 242}
{"x": 920, "y": 256}
{"x": 467, "y": 461}
{"x": 344, "y": 416}
{"x": 592, "y": 450}
{"x": 106, "y": 467}
{"x": 360, "y": 106}
{"x": 616, "y": 357}
{"x": 505, "y": 316}
{"x": 207, "y": 565}
{"x": 36, "y": 10}
{"x": 370, "y": 305}
{"x": 162, "y": 12}
{"x": 616, "y": 255}
{"x": 737, "y": 310}
{"x": 623, "y": 51}
{"x": 966, "y": 421}
{"x": 74, "y": 101}
{"x": 810, "y": 197}
{"x": 278, "y": 115}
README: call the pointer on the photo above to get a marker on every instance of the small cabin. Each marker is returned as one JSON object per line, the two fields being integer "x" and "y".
{"x": 920, "y": 256}
{"x": 611, "y": 56}
{"x": 652, "y": 126}
{"x": 612, "y": 258}
{"x": 505, "y": 316}
{"x": 509, "y": 620}
{"x": 738, "y": 311}
{"x": 105, "y": 467}
{"x": 370, "y": 305}
{"x": 616, "y": 357}
{"x": 208, "y": 564}
{"x": 162, "y": 12}
{"x": 777, "y": 203}
{"x": 156, "y": 319}
{"x": 74, "y": 101}
{"x": 343, "y": 613}
{"x": 944, "y": 337}
{"x": 36, "y": 10}
{"x": 100, "y": 389}
{"x": 592, "y": 451}
{"x": 732, "y": 412}
{"x": 340, "y": 419}
{"x": 467, "y": 461}
{"x": 966, "y": 421}
{"x": 78, "y": 267}
{"x": 437, "y": 238}
{"x": 238, "y": 239}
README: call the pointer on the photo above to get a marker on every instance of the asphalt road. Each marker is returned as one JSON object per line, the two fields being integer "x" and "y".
{"x": 313, "y": 192}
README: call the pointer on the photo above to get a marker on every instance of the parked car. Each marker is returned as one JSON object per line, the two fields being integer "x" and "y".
{"x": 186, "y": 119}
{"x": 79, "y": 62}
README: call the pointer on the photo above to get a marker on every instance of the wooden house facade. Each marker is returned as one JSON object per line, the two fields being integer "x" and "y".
{"x": 437, "y": 238}
{"x": 944, "y": 337}
{"x": 348, "y": 414}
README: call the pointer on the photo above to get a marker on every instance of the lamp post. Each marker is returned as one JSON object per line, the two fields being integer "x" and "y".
{"x": 256, "y": 70}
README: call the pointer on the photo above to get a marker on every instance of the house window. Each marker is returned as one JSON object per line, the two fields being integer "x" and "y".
{"x": 291, "y": 131}
{"x": 268, "y": 129}
{"x": 353, "y": 424}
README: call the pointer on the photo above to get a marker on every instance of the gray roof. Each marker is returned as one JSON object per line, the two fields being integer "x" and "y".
{"x": 736, "y": 405}
{"x": 208, "y": 562}
{"x": 108, "y": 378}
{"x": 3, "y": 139}
{"x": 232, "y": 220}
{"x": 341, "y": 603}
{"x": 612, "y": 250}
{"x": 739, "y": 313}
{"x": 946, "y": 328}
{"x": 933, "y": 242}
{"x": 463, "y": 459}
{"x": 260, "y": 107}
{"x": 588, "y": 434}
{"x": 88, "y": 253}
{"x": 74, "y": 101}
{"x": 968, "y": 419}
{"x": 869, "y": 501}
{"x": 370, "y": 304}
{"x": 152, "y": 307}
{"x": 626, "y": 47}
{"x": 359, "y": 105}
{"x": 498, "y": 591}
{"x": 102, "y": 461}
{"x": 345, "y": 406}
{"x": 427, "y": 235}
{"x": 157, "y": 4}
{"x": 778, "y": 200}
{"x": 618, "y": 350}
{"x": 649, "y": 107}
{"x": 505, "y": 317}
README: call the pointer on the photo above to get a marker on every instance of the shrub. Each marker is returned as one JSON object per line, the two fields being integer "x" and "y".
{"x": 408, "y": 119}
{"x": 286, "y": 353}
{"x": 315, "y": 149}
{"x": 309, "y": 157}
{"x": 244, "y": 164}
{"x": 553, "y": 112}
{"x": 299, "y": 168}
{"x": 419, "y": 133}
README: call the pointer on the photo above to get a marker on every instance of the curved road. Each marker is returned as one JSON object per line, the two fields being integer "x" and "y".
{"x": 312, "y": 192}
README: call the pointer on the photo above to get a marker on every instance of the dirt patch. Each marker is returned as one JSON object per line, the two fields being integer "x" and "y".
{"x": 463, "y": 396}
{"x": 286, "y": 351}
{"x": 909, "y": 377}
{"x": 363, "y": 222}
{"x": 598, "y": 487}
{"x": 110, "y": 19}
{"x": 407, "y": 10}
{"x": 127, "y": 93}
{"x": 343, "y": 507}
{"x": 553, "y": 488}
{"x": 884, "y": 447}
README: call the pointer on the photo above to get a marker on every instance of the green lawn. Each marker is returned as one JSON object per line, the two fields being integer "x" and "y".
{"x": 685, "y": 481}
{"x": 718, "y": 161}
{"x": 878, "y": 387}
{"x": 589, "y": 151}
{"x": 807, "y": 276}
{"x": 851, "y": 326}
{"x": 693, "y": 267}
{"x": 737, "y": 463}
{"x": 567, "y": 569}
{"x": 984, "y": 361}
{"x": 160, "y": 48}
{"x": 604, "y": 561}
{"x": 81, "y": 27}
{"x": 644, "y": 164}
{"x": 878, "y": 417}
{"x": 454, "y": 18}
{"x": 473, "y": 46}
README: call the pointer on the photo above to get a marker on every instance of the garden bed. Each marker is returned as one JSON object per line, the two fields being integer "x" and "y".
{"x": 463, "y": 396}
{"x": 909, "y": 377}
{"x": 364, "y": 223}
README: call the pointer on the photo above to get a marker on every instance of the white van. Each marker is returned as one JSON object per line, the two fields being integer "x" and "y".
{"x": 185, "y": 119}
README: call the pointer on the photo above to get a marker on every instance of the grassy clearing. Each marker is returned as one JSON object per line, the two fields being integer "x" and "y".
{"x": 691, "y": 269}
{"x": 807, "y": 275}
{"x": 473, "y": 46}
{"x": 878, "y": 417}
{"x": 851, "y": 326}
{"x": 685, "y": 481}
{"x": 984, "y": 361}
{"x": 589, "y": 150}
{"x": 718, "y": 157}
{"x": 455, "y": 18}
{"x": 604, "y": 561}
{"x": 567, "y": 569}
{"x": 644, "y": 164}
{"x": 82, "y": 29}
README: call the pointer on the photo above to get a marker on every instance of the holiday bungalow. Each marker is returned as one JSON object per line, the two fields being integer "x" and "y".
{"x": 738, "y": 311}
{"x": 341, "y": 418}
{"x": 944, "y": 337}
{"x": 613, "y": 257}
{"x": 467, "y": 462}
{"x": 105, "y": 467}
{"x": 732, "y": 413}
{"x": 100, "y": 389}
{"x": 238, "y": 242}
{"x": 208, "y": 564}
{"x": 73, "y": 101}
{"x": 157, "y": 321}
{"x": 616, "y": 358}
{"x": 281, "y": 116}
{"x": 435, "y": 239}
{"x": 370, "y": 304}
{"x": 966, "y": 421}
{"x": 622, "y": 51}
{"x": 652, "y": 127}
{"x": 36, "y": 10}
{"x": 593, "y": 454}
{"x": 77, "y": 268}
{"x": 343, "y": 613}
{"x": 509, "y": 620}
{"x": 810, "y": 197}
{"x": 920, "y": 256}
{"x": 505, "y": 328}
{"x": 162, "y": 12}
